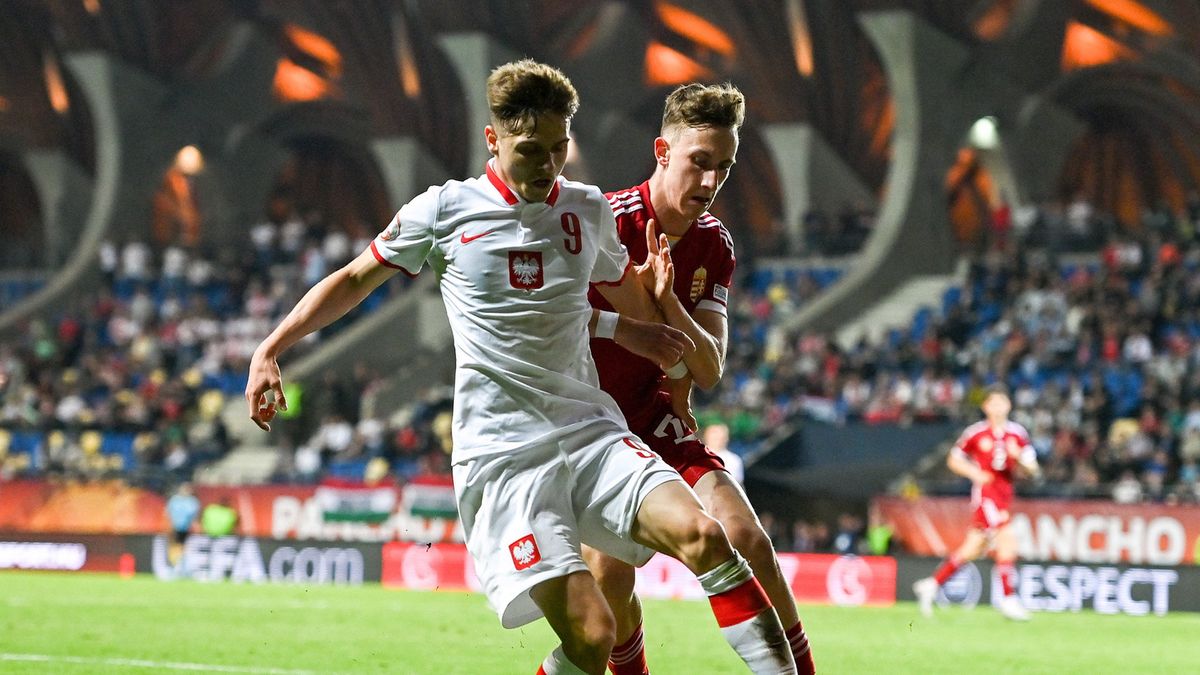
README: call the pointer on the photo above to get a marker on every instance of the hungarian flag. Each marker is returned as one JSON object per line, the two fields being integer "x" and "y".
{"x": 431, "y": 497}
{"x": 355, "y": 501}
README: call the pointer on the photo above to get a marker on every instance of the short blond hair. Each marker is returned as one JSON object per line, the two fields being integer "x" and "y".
{"x": 704, "y": 105}
{"x": 519, "y": 91}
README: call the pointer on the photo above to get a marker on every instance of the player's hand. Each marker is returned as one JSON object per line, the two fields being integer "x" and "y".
{"x": 983, "y": 478}
{"x": 681, "y": 399}
{"x": 264, "y": 377}
{"x": 657, "y": 274}
{"x": 657, "y": 342}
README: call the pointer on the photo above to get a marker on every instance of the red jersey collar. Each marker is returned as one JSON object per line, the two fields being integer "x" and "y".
{"x": 509, "y": 196}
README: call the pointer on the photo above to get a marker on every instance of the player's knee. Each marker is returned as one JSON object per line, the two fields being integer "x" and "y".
{"x": 616, "y": 580}
{"x": 749, "y": 538}
{"x": 592, "y": 640}
{"x": 705, "y": 545}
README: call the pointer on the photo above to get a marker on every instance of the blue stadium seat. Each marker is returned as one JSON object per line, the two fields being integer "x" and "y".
{"x": 25, "y": 442}
{"x": 115, "y": 443}
{"x": 353, "y": 469}
{"x": 951, "y": 298}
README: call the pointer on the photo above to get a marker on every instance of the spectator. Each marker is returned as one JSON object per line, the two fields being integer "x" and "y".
{"x": 182, "y": 509}
{"x": 716, "y": 437}
{"x": 219, "y": 519}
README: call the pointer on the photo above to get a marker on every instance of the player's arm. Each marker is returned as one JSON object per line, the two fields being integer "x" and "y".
{"x": 709, "y": 330}
{"x": 323, "y": 304}
{"x": 958, "y": 462}
{"x": 1026, "y": 457}
{"x": 652, "y": 340}
{"x": 706, "y": 328}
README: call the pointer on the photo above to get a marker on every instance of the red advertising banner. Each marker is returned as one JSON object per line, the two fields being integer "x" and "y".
{"x": 814, "y": 577}
{"x": 65, "y": 552}
{"x": 1063, "y": 531}
{"x": 268, "y": 511}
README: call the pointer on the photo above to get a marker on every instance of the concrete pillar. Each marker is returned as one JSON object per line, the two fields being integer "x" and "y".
{"x": 940, "y": 88}
{"x": 407, "y": 166}
{"x": 64, "y": 189}
{"x": 812, "y": 176}
{"x": 473, "y": 56}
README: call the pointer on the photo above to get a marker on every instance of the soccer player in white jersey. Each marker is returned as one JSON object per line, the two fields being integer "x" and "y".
{"x": 543, "y": 461}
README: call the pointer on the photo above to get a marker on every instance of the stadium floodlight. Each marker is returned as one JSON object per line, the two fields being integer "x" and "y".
{"x": 984, "y": 134}
{"x": 189, "y": 160}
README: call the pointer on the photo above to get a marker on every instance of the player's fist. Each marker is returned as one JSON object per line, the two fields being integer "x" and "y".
{"x": 264, "y": 377}
{"x": 660, "y": 343}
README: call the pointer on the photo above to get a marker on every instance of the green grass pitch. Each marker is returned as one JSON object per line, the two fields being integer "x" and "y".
{"x": 95, "y": 623}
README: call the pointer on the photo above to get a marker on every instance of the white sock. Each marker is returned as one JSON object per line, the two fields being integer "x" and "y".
{"x": 747, "y": 620}
{"x": 558, "y": 664}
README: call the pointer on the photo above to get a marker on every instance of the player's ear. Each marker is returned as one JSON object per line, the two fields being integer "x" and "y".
{"x": 662, "y": 151}
{"x": 493, "y": 140}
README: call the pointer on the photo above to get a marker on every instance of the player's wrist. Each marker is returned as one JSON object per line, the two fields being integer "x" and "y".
{"x": 606, "y": 325}
{"x": 677, "y": 371}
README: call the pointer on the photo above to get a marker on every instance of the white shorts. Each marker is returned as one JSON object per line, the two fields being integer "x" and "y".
{"x": 525, "y": 514}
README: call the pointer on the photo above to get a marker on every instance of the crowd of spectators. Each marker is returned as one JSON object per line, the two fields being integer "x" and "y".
{"x": 1100, "y": 350}
{"x": 837, "y": 234}
{"x": 135, "y": 373}
{"x": 1100, "y": 347}
{"x": 340, "y": 428}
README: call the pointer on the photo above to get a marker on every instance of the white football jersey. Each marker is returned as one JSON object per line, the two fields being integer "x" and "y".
{"x": 514, "y": 278}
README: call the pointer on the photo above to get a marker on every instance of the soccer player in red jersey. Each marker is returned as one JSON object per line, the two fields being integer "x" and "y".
{"x": 694, "y": 155}
{"x": 988, "y": 453}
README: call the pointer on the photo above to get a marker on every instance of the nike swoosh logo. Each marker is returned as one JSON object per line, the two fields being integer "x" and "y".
{"x": 466, "y": 240}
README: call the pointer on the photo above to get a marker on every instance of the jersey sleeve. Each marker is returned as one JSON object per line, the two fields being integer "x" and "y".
{"x": 1027, "y": 454}
{"x": 612, "y": 258}
{"x": 962, "y": 447}
{"x": 407, "y": 240}
{"x": 715, "y": 297}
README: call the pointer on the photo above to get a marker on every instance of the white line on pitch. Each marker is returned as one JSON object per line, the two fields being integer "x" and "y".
{"x": 145, "y": 663}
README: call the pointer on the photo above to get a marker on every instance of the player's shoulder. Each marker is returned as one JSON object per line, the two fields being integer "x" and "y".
{"x": 1016, "y": 429}
{"x": 576, "y": 190}
{"x": 626, "y": 202}
{"x": 974, "y": 430}
{"x": 712, "y": 228}
{"x": 455, "y": 193}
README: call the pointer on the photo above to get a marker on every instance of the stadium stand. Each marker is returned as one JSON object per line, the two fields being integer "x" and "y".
{"x": 132, "y": 377}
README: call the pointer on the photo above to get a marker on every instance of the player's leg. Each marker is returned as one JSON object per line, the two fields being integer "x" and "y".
{"x": 616, "y": 579}
{"x": 1005, "y": 544}
{"x": 725, "y": 500}
{"x": 579, "y": 615}
{"x": 637, "y": 504}
{"x": 926, "y": 589}
{"x": 521, "y": 530}
{"x": 672, "y": 520}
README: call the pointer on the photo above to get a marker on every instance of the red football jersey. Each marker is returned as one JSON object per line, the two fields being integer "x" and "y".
{"x": 997, "y": 451}
{"x": 704, "y": 264}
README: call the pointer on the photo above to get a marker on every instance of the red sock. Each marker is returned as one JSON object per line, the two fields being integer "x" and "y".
{"x": 629, "y": 658}
{"x": 541, "y": 670}
{"x": 947, "y": 569}
{"x": 1008, "y": 575}
{"x": 739, "y": 604}
{"x": 800, "y": 650}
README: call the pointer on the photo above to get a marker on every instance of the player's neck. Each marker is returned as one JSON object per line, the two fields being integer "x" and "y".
{"x": 998, "y": 423}
{"x": 669, "y": 219}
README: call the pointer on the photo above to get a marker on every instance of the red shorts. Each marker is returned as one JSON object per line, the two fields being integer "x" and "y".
{"x": 670, "y": 438}
{"x": 989, "y": 514}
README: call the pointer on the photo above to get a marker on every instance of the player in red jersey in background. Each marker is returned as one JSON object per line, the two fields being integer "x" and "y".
{"x": 988, "y": 453}
{"x": 694, "y": 156}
